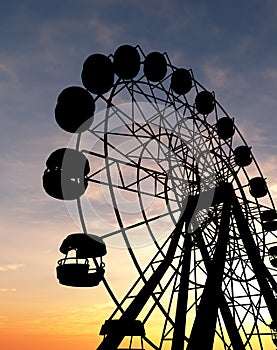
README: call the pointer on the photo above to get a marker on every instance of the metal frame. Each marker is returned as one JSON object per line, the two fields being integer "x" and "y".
{"x": 220, "y": 250}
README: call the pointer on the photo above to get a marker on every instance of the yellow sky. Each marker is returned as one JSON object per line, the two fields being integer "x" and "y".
{"x": 37, "y": 312}
{"x": 42, "y": 47}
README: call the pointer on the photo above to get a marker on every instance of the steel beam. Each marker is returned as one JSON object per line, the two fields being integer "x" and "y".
{"x": 228, "y": 318}
{"x": 180, "y": 316}
{"x": 112, "y": 341}
{"x": 203, "y": 330}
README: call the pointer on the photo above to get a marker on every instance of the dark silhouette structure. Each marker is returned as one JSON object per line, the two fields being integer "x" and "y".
{"x": 212, "y": 278}
{"x": 76, "y": 271}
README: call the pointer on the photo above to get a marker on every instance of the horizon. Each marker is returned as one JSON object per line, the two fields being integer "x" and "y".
{"x": 230, "y": 51}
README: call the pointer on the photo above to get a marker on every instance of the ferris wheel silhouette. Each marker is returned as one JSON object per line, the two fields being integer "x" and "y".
{"x": 176, "y": 174}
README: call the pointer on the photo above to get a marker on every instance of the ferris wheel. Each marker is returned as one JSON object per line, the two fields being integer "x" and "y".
{"x": 155, "y": 161}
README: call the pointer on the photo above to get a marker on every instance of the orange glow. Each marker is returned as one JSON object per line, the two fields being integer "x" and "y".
{"x": 38, "y": 313}
{"x": 14, "y": 341}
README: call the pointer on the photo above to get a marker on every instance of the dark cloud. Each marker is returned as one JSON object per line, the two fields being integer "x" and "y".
{"x": 229, "y": 46}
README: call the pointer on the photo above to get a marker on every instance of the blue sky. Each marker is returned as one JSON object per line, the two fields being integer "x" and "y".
{"x": 229, "y": 45}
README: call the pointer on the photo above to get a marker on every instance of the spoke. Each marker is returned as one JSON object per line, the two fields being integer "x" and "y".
{"x": 140, "y": 223}
{"x": 135, "y": 190}
{"x": 130, "y": 163}
{"x": 163, "y": 150}
{"x": 134, "y": 309}
{"x": 265, "y": 280}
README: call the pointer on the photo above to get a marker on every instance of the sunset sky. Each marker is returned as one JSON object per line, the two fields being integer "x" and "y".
{"x": 231, "y": 48}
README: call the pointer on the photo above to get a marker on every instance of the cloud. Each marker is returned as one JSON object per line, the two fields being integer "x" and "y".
{"x": 218, "y": 77}
{"x": 7, "y": 290}
{"x": 105, "y": 34}
{"x": 223, "y": 77}
{"x": 177, "y": 58}
{"x": 245, "y": 44}
{"x": 10, "y": 267}
{"x": 271, "y": 74}
{"x": 254, "y": 134}
{"x": 6, "y": 71}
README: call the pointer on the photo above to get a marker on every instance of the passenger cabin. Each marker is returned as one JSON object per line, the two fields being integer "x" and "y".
{"x": 225, "y": 128}
{"x": 126, "y": 62}
{"x": 204, "y": 102}
{"x": 258, "y": 187}
{"x": 76, "y": 271}
{"x": 268, "y": 215}
{"x": 125, "y": 327}
{"x": 242, "y": 156}
{"x": 65, "y": 177}
{"x": 268, "y": 220}
{"x": 272, "y": 251}
{"x": 181, "y": 81}
{"x": 269, "y": 226}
